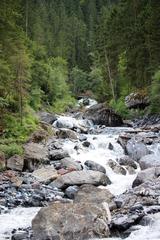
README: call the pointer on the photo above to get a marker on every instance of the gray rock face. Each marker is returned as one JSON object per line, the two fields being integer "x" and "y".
{"x": 45, "y": 174}
{"x": 116, "y": 167}
{"x": 102, "y": 115}
{"x": 46, "y": 117}
{"x": 81, "y": 177}
{"x": 150, "y": 160}
{"x": 58, "y": 154}
{"x": 137, "y": 100}
{"x": 145, "y": 175}
{"x": 95, "y": 166}
{"x": 69, "y": 163}
{"x": 77, "y": 221}
{"x": 34, "y": 155}
{"x": 71, "y": 191}
{"x": 15, "y": 163}
{"x": 127, "y": 161}
{"x": 66, "y": 133}
{"x": 136, "y": 149}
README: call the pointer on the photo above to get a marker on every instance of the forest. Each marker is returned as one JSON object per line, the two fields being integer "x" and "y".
{"x": 52, "y": 51}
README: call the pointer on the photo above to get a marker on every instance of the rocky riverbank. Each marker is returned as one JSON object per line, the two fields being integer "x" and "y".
{"x": 86, "y": 178}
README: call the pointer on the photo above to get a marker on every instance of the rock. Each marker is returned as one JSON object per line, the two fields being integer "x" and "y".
{"x": 45, "y": 174}
{"x": 82, "y": 138}
{"x": 95, "y": 166}
{"x": 70, "y": 221}
{"x": 150, "y": 160}
{"x": 2, "y": 161}
{"x": 46, "y": 117}
{"x": 127, "y": 161}
{"x": 86, "y": 144}
{"x": 69, "y": 163}
{"x": 116, "y": 167}
{"x": 137, "y": 100}
{"x": 123, "y": 139}
{"x": 58, "y": 154}
{"x": 39, "y": 136}
{"x": 130, "y": 170}
{"x": 66, "y": 133}
{"x": 17, "y": 181}
{"x": 145, "y": 175}
{"x": 101, "y": 115}
{"x": 63, "y": 171}
{"x": 71, "y": 191}
{"x": 81, "y": 177}
{"x": 65, "y": 122}
{"x": 89, "y": 193}
{"x": 136, "y": 149}
{"x": 34, "y": 155}
{"x": 110, "y": 146}
{"x": 16, "y": 162}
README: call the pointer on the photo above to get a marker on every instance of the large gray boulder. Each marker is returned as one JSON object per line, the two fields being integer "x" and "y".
{"x": 137, "y": 100}
{"x": 81, "y": 177}
{"x": 47, "y": 117}
{"x": 94, "y": 166}
{"x": 16, "y": 163}
{"x": 45, "y": 174}
{"x": 58, "y": 154}
{"x": 150, "y": 160}
{"x": 136, "y": 149}
{"x": 69, "y": 163}
{"x": 34, "y": 155}
{"x": 66, "y": 221}
{"x": 66, "y": 133}
{"x": 102, "y": 115}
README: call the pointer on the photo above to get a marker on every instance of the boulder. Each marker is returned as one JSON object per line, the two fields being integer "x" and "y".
{"x": 66, "y": 133}
{"x": 34, "y": 155}
{"x": 71, "y": 191}
{"x": 136, "y": 149}
{"x": 39, "y": 136}
{"x": 2, "y": 161}
{"x": 127, "y": 161}
{"x": 150, "y": 160}
{"x": 137, "y": 100}
{"x": 46, "y": 117}
{"x": 94, "y": 166}
{"x": 45, "y": 174}
{"x": 58, "y": 154}
{"x": 69, "y": 163}
{"x": 101, "y": 115}
{"x": 16, "y": 163}
{"x": 81, "y": 177}
{"x": 116, "y": 167}
{"x": 145, "y": 175}
{"x": 71, "y": 221}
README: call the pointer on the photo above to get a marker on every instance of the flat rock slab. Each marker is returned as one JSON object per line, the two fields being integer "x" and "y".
{"x": 45, "y": 174}
{"x": 66, "y": 221}
{"x": 81, "y": 177}
{"x": 15, "y": 163}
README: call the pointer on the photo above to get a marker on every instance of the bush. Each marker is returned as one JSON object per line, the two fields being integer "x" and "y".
{"x": 11, "y": 149}
{"x": 155, "y": 93}
{"x": 120, "y": 107}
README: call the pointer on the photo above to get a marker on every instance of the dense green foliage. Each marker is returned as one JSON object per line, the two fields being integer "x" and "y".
{"x": 54, "y": 50}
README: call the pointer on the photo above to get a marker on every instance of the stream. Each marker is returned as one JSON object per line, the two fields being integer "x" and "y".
{"x": 98, "y": 151}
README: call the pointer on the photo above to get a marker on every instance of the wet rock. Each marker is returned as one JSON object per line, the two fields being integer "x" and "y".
{"x": 123, "y": 139}
{"x": 136, "y": 149}
{"x": 70, "y": 221}
{"x": 81, "y": 177}
{"x": 101, "y": 115}
{"x": 150, "y": 160}
{"x": 127, "y": 161}
{"x": 71, "y": 191}
{"x": 116, "y": 167}
{"x": 46, "y": 117}
{"x": 130, "y": 170}
{"x": 69, "y": 163}
{"x": 137, "y": 100}
{"x": 34, "y": 155}
{"x": 82, "y": 138}
{"x": 110, "y": 146}
{"x": 86, "y": 144}
{"x": 58, "y": 154}
{"x": 95, "y": 166}
{"x": 66, "y": 133}
{"x": 145, "y": 175}
{"x": 45, "y": 174}
{"x": 16, "y": 162}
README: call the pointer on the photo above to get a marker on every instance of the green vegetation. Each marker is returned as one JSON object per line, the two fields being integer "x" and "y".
{"x": 51, "y": 51}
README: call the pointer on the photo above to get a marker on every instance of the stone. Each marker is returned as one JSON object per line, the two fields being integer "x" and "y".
{"x": 58, "y": 154}
{"x": 16, "y": 162}
{"x": 101, "y": 115}
{"x": 110, "y": 146}
{"x": 137, "y": 100}
{"x": 136, "y": 149}
{"x": 127, "y": 161}
{"x": 144, "y": 175}
{"x": 34, "y": 155}
{"x": 2, "y": 161}
{"x": 81, "y": 177}
{"x": 82, "y": 138}
{"x": 46, "y": 117}
{"x": 71, "y": 221}
{"x": 71, "y": 191}
{"x": 94, "y": 166}
{"x": 45, "y": 174}
{"x": 69, "y": 163}
{"x": 150, "y": 160}
{"x": 39, "y": 136}
{"x": 66, "y": 133}
{"x": 86, "y": 144}
{"x": 116, "y": 167}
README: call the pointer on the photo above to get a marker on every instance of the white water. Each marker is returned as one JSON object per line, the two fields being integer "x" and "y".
{"x": 16, "y": 218}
